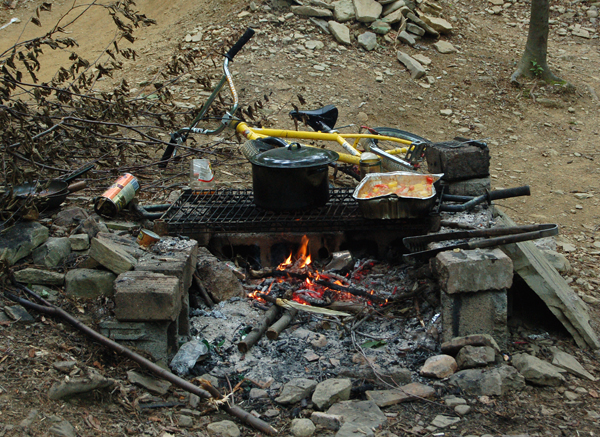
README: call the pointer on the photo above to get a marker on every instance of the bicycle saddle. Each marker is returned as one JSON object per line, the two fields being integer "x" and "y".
{"x": 322, "y": 119}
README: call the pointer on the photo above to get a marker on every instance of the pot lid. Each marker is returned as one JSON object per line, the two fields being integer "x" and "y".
{"x": 294, "y": 156}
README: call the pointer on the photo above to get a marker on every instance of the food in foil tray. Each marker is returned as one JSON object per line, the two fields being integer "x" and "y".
{"x": 413, "y": 185}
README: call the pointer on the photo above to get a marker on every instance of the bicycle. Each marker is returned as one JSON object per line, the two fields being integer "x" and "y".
{"x": 387, "y": 143}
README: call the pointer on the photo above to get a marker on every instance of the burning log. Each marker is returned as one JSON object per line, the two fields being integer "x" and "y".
{"x": 252, "y": 338}
{"x": 284, "y": 321}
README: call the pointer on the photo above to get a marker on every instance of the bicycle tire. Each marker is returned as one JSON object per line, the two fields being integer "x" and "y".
{"x": 387, "y": 145}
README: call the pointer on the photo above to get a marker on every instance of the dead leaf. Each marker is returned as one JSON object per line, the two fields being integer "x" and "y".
{"x": 154, "y": 419}
{"x": 31, "y": 353}
{"x": 93, "y": 422}
{"x": 593, "y": 393}
{"x": 98, "y": 365}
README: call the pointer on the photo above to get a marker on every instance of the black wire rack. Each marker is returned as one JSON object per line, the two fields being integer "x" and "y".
{"x": 234, "y": 211}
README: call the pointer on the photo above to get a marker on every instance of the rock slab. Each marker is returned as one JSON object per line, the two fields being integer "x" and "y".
{"x": 20, "y": 240}
{"x": 413, "y": 66}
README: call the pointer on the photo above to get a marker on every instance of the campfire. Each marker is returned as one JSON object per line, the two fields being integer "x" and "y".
{"x": 298, "y": 280}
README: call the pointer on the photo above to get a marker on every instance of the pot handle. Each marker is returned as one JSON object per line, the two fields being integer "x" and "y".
{"x": 298, "y": 146}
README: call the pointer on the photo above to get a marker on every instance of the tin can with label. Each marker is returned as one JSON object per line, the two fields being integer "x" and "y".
{"x": 147, "y": 238}
{"x": 369, "y": 163}
{"x": 117, "y": 196}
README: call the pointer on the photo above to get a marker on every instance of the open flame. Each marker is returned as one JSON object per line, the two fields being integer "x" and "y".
{"x": 312, "y": 287}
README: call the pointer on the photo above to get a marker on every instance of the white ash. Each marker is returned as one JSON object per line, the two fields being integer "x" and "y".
{"x": 405, "y": 343}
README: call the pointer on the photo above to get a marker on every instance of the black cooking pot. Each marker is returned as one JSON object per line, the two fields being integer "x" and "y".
{"x": 293, "y": 177}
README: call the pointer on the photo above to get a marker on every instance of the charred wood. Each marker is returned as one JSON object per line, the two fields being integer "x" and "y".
{"x": 283, "y": 322}
{"x": 252, "y": 338}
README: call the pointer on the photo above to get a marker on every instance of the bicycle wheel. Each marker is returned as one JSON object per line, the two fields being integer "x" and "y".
{"x": 413, "y": 155}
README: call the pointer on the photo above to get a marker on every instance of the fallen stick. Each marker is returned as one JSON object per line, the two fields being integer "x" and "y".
{"x": 252, "y": 338}
{"x": 283, "y": 322}
{"x": 203, "y": 291}
{"x": 209, "y": 392}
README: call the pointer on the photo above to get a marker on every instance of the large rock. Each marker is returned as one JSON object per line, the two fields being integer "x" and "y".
{"x": 111, "y": 256}
{"x": 536, "y": 371}
{"x": 216, "y": 277}
{"x": 439, "y": 366}
{"x": 331, "y": 391}
{"x": 39, "y": 277}
{"x": 310, "y": 11}
{"x": 53, "y": 252}
{"x": 473, "y": 270}
{"x": 340, "y": 32}
{"x": 224, "y": 428}
{"x": 426, "y": 27}
{"x": 475, "y": 356}
{"x": 367, "y": 11}
{"x": 392, "y": 7}
{"x": 437, "y": 23}
{"x": 414, "y": 67}
{"x": 296, "y": 390}
{"x": 302, "y": 428}
{"x": 18, "y": 241}
{"x": 80, "y": 385}
{"x": 89, "y": 283}
{"x": 570, "y": 364}
{"x": 70, "y": 217}
{"x": 359, "y": 417}
{"x": 368, "y": 41}
{"x": 453, "y": 346}
{"x": 478, "y": 382}
{"x": 445, "y": 47}
{"x": 406, "y": 393}
{"x": 343, "y": 11}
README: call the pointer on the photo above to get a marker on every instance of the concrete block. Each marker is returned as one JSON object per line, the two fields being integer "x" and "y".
{"x": 157, "y": 338}
{"x": 484, "y": 312}
{"x": 89, "y": 283}
{"x": 178, "y": 258}
{"x": 458, "y": 160}
{"x": 473, "y": 270}
{"x": 146, "y": 296}
{"x": 469, "y": 187}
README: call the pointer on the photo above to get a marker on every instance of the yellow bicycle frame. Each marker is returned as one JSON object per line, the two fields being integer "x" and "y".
{"x": 353, "y": 155}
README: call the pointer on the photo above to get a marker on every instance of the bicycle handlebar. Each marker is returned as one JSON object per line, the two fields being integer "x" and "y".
{"x": 249, "y": 33}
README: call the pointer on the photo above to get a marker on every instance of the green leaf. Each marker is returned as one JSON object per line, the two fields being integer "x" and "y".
{"x": 373, "y": 344}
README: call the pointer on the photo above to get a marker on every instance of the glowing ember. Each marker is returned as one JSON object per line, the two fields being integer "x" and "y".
{"x": 312, "y": 287}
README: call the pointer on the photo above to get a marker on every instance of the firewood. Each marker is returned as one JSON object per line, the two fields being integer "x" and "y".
{"x": 276, "y": 329}
{"x": 252, "y": 338}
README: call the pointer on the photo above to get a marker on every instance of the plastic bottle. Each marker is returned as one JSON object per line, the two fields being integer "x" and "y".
{"x": 201, "y": 176}
{"x": 187, "y": 356}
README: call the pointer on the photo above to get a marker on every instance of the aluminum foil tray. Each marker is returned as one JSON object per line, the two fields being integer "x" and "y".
{"x": 393, "y": 206}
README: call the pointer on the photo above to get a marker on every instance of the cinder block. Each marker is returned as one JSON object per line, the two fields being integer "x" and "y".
{"x": 458, "y": 160}
{"x": 146, "y": 296}
{"x": 473, "y": 270}
{"x": 157, "y": 338}
{"x": 174, "y": 257}
{"x": 469, "y": 187}
{"x": 484, "y": 312}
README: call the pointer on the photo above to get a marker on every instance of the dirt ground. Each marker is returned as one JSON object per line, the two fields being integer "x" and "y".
{"x": 537, "y": 136}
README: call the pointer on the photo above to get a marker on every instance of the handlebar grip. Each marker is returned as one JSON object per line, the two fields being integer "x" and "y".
{"x": 249, "y": 33}
{"x": 509, "y": 192}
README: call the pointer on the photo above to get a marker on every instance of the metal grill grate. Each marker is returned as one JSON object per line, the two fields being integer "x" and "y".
{"x": 233, "y": 211}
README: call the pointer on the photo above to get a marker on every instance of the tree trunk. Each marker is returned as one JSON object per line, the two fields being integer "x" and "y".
{"x": 533, "y": 62}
